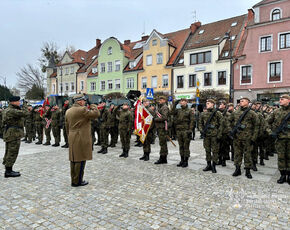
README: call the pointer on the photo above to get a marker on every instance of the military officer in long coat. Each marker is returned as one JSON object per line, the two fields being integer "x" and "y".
{"x": 78, "y": 126}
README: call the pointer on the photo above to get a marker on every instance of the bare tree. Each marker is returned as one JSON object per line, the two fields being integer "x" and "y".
{"x": 49, "y": 50}
{"x": 29, "y": 76}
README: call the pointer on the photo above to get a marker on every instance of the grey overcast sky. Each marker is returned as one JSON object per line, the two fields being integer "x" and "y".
{"x": 26, "y": 24}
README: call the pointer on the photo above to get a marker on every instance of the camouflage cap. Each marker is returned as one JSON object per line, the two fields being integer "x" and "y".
{"x": 286, "y": 96}
{"x": 162, "y": 97}
{"x": 230, "y": 104}
{"x": 79, "y": 97}
{"x": 257, "y": 103}
{"x": 245, "y": 98}
{"x": 14, "y": 98}
{"x": 211, "y": 100}
{"x": 223, "y": 102}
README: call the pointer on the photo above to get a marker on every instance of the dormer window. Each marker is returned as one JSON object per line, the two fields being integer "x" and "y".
{"x": 201, "y": 32}
{"x": 234, "y": 24}
{"x": 110, "y": 50}
{"x": 154, "y": 42}
{"x": 132, "y": 64}
{"x": 94, "y": 70}
{"x": 225, "y": 54}
{"x": 233, "y": 37}
{"x": 276, "y": 14}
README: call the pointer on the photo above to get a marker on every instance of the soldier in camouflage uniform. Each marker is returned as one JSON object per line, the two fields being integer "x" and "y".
{"x": 47, "y": 124}
{"x": 184, "y": 121}
{"x": 38, "y": 126}
{"x": 194, "y": 124}
{"x": 283, "y": 138}
{"x": 231, "y": 109}
{"x": 1, "y": 124}
{"x": 160, "y": 119}
{"x": 224, "y": 143}
{"x": 112, "y": 121}
{"x": 125, "y": 127}
{"x": 104, "y": 128}
{"x": 149, "y": 137}
{"x": 13, "y": 123}
{"x": 29, "y": 122}
{"x": 63, "y": 111}
{"x": 211, "y": 135}
{"x": 56, "y": 124}
{"x": 245, "y": 138}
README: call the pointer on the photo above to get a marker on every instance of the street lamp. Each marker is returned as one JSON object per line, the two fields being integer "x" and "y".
{"x": 61, "y": 80}
{"x": 228, "y": 37}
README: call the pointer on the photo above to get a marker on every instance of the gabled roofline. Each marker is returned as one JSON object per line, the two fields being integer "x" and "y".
{"x": 154, "y": 31}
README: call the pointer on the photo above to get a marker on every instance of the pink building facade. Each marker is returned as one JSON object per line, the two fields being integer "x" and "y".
{"x": 262, "y": 66}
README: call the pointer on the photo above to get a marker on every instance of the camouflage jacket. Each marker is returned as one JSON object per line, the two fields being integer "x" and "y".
{"x": 104, "y": 119}
{"x": 215, "y": 126}
{"x": 249, "y": 125}
{"x": 112, "y": 120}
{"x": 163, "y": 111}
{"x": 37, "y": 118}
{"x": 12, "y": 119}
{"x": 29, "y": 118}
{"x": 125, "y": 119}
{"x": 262, "y": 124}
{"x": 56, "y": 118}
{"x": 274, "y": 120}
{"x": 225, "y": 122}
{"x": 63, "y": 111}
{"x": 184, "y": 118}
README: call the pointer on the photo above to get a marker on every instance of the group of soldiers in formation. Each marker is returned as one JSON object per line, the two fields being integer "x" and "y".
{"x": 247, "y": 131}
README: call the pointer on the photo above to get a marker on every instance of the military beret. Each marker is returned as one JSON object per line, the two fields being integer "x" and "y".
{"x": 245, "y": 98}
{"x": 162, "y": 97}
{"x": 211, "y": 101}
{"x": 79, "y": 97}
{"x": 14, "y": 98}
{"x": 286, "y": 96}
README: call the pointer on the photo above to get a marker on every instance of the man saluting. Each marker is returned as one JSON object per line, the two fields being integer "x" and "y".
{"x": 78, "y": 126}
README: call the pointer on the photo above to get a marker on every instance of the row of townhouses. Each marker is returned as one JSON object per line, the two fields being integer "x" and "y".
{"x": 244, "y": 55}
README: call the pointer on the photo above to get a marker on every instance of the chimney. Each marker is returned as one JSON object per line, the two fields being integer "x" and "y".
{"x": 127, "y": 42}
{"x": 251, "y": 15}
{"x": 144, "y": 38}
{"x": 195, "y": 26}
{"x": 98, "y": 43}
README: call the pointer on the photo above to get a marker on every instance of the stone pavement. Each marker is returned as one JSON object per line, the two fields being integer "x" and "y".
{"x": 132, "y": 194}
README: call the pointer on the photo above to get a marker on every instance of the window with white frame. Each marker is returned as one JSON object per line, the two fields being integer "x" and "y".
{"x": 131, "y": 64}
{"x": 72, "y": 69}
{"x": 159, "y": 58}
{"x": 110, "y": 66}
{"x": 66, "y": 70}
{"x": 284, "y": 41}
{"x": 130, "y": 83}
{"x": 165, "y": 80}
{"x": 66, "y": 87}
{"x": 266, "y": 44}
{"x": 154, "y": 42}
{"x": 180, "y": 81}
{"x": 72, "y": 86}
{"x": 110, "y": 84}
{"x": 274, "y": 71}
{"x": 144, "y": 82}
{"x": 103, "y": 67}
{"x": 94, "y": 70}
{"x": 154, "y": 82}
{"x": 110, "y": 50}
{"x": 149, "y": 60}
{"x": 117, "y": 84}
{"x": 117, "y": 65}
{"x": 103, "y": 85}
{"x": 82, "y": 85}
{"x": 222, "y": 78}
{"x": 53, "y": 88}
{"x": 207, "y": 79}
{"x": 93, "y": 86}
{"x": 276, "y": 14}
{"x": 246, "y": 75}
{"x": 192, "y": 80}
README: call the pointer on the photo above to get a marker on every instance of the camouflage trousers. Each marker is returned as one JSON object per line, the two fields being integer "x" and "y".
{"x": 39, "y": 131}
{"x": 104, "y": 137}
{"x": 183, "y": 137}
{"x": 47, "y": 133}
{"x": 224, "y": 148}
{"x": 125, "y": 138}
{"x": 243, "y": 148}
{"x": 114, "y": 132}
{"x": 162, "y": 135}
{"x": 11, "y": 152}
{"x": 283, "y": 150}
{"x": 29, "y": 131}
{"x": 211, "y": 147}
{"x": 258, "y": 150}
{"x": 65, "y": 134}
{"x": 148, "y": 141}
{"x": 56, "y": 134}
{"x": 77, "y": 171}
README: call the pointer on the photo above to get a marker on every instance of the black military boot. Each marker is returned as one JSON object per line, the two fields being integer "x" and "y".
{"x": 254, "y": 167}
{"x": 65, "y": 145}
{"x": 47, "y": 143}
{"x": 143, "y": 157}
{"x": 105, "y": 151}
{"x": 213, "y": 169}
{"x": 262, "y": 161}
{"x": 248, "y": 174}
{"x": 28, "y": 142}
{"x": 237, "y": 171}
{"x": 208, "y": 167}
{"x": 98, "y": 143}
{"x": 24, "y": 139}
{"x": 123, "y": 153}
{"x": 224, "y": 162}
{"x": 38, "y": 143}
{"x": 147, "y": 156}
{"x": 266, "y": 157}
{"x": 101, "y": 151}
{"x": 113, "y": 145}
{"x": 126, "y": 153}
{"x": 219, "y": 161}
{"x": 232, "y": 156}
{"x": 181, "y": 161}
{"x": 283, "y": 178}
{"x": 10, "y": 173}
{"x": 185, "y": 162}
{"x": 161, "y": 160}
{"x": 56, "y": 145}
{"x": 288, "y": 177}
{"x": 139, "y": 144}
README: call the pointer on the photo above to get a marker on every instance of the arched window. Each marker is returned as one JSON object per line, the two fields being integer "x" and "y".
{"x": 276, "y": 14}
{"x": 110, "y": 50}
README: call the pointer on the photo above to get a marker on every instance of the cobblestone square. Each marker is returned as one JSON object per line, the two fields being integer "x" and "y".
{"x": 133, "y": 194}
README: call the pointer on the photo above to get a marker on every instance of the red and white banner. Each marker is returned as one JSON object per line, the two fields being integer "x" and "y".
{"x": 143, "y": 120}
